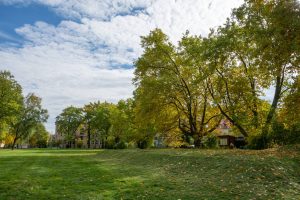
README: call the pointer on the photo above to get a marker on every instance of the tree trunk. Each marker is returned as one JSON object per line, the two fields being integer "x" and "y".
{"x": 14, "y": 143}
{"x": 235, "y": 123}
{"x": 274, "y": 104}
{"x": 197, "y": 141}
{"x": 89, "y": 136}
{"x": 265, "y": 130}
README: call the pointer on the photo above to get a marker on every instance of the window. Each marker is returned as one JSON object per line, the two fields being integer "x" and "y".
{"x": 223, "y": 141}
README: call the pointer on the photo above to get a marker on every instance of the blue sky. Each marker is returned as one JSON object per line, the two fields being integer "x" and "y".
{"x": 14, "y": 16}
{"x": 71, "y": 52}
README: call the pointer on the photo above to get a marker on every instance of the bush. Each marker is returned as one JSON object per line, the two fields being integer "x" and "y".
{"x": 41, "y": 143}
{"x": 283, "y": 136}
{"x": 79, "y": 143}
{"x": 121, "y": 145}
{"x": 144, "y": 143}
{"x": 110, "y": 143}
{"x": 260, "y": 141}
{"x": 210, "y": 141}
{"x": 279, "y": 135}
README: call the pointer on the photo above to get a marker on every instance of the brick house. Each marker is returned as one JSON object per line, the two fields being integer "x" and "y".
{"x": 227, "y": 138}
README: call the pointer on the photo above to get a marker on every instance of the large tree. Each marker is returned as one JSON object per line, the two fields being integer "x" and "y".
{"x": 11, "y": 99}
{"x": 258, "y": 48}
{"x": 273, "y": 26}
{"x": 170, "y": 79}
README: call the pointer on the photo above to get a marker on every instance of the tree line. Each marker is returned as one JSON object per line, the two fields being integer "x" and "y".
{"x": 184, "y": 90}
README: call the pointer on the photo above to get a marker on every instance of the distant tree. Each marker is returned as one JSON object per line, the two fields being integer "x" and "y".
{"x": 97, "y": 120}
{"x": 89, "y": 112}
{"x": 101, "y": 121}
{"x": 68, "y": 122}
{"x": 39, "y": 137}
{"x": 121, "y": 119}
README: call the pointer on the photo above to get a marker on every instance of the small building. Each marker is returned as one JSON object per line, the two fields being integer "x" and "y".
{"x": 227, "y": 138}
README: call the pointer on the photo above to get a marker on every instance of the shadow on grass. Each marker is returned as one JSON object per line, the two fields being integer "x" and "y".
{"x": 66, "y": 174}
{"x": 145, "y": 174}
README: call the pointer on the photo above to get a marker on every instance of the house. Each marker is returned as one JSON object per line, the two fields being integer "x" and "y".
{"x": 79, "y": 139}
{"x": 227, "y": 138}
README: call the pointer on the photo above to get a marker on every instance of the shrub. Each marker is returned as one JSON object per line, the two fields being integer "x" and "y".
{"x": 259, "y": 141}
{"x": 144, "y": 143}
{"x": 283, "y": 136}
{"x": 79, "y": 143}
{"x": 121, "y": 145}
{"x": 210, "y": 141}
{"x": 110, "y": 143}
{"x": 41, "y": 143}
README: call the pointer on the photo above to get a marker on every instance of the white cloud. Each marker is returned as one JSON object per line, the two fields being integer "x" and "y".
{"x": 81, "y": 60}
{"x": 99, "y": 9}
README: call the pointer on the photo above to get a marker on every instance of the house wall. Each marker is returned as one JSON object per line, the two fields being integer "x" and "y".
{"x": 229, "y": 140}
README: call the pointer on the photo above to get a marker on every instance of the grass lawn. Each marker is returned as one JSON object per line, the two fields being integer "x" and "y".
{"x": 150, "y": 174}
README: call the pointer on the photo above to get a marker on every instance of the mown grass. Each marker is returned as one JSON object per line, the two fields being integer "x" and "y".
{"x": 150, "y": 174}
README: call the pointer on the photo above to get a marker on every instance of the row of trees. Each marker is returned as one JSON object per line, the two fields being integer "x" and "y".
{"x": 191, "y": 86}
{"x": 109, "y": 124}
{"x": 21, "y": 117}
{"x": 183, "y": 91}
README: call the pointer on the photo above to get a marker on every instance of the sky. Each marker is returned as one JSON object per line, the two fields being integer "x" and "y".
{"x": 72, "y": 52}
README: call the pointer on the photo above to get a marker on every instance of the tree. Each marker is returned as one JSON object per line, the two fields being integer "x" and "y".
{"x": 29, "y": 117}
{"x": 97, "y": 121}
{"x": 235, "y": 83}
{"x": 274, "y": 28}
{"x": 101, "y": 122}
{"x": 170, "y": 79}
{"x": 89, "y": 115}
{"x": 290, "y": 114}
{"x": 68, "y": 122}
{"x": 39, "y": 137}
{"x": 121, "y": 119}
{"x": 257, "y": 48}
{"x": 11, "y": 99}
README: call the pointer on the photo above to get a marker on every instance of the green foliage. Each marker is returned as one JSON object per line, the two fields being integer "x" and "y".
{"x": 79, "y": 143}
{"x": 121, "y": 145}
{"x": 258, "y": 141}
{"x": 171, "y": 86}
{"x": 183, "y": 91}
{"x": 11, "y": 99}
{"x": 39, "y": 137}
{"x": 68, "y": 122}
{"x": 285, "y": 135}
{"x": 97, "y": 120}
{"x": 210, "y": 141}
{"x": 145, "y": 143}
{"x": 31, "y": 116}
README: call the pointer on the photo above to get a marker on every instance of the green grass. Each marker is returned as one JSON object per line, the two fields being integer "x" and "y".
{"x": 150, "y": 174}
